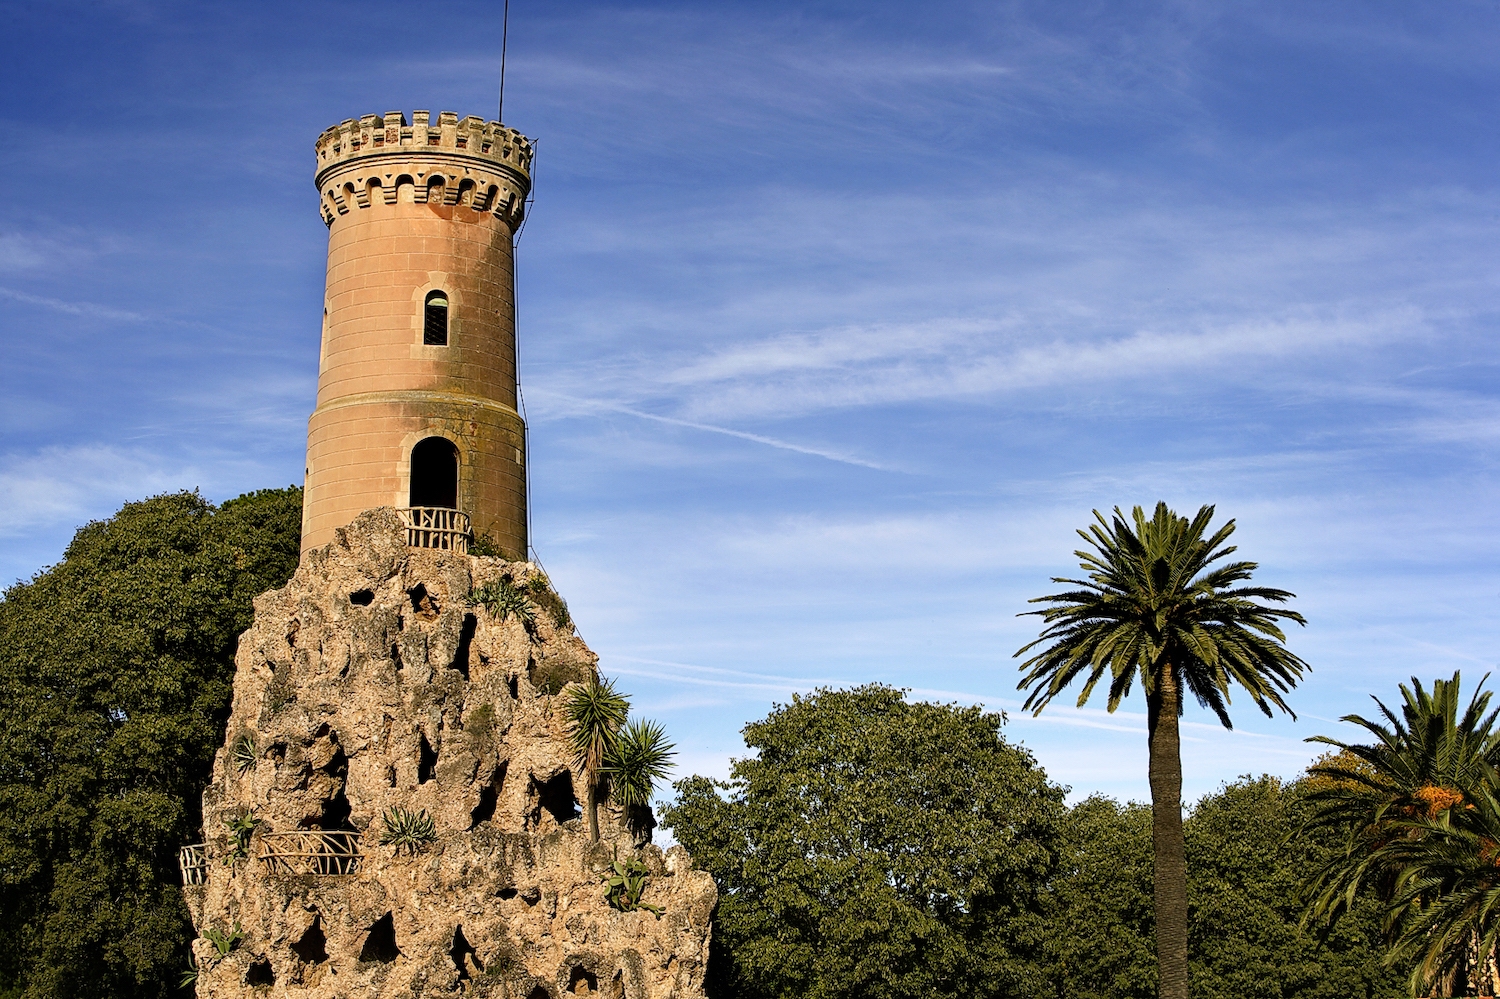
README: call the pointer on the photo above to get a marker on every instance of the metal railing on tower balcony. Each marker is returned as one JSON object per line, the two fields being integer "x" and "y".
{"x": 436, "y": 527}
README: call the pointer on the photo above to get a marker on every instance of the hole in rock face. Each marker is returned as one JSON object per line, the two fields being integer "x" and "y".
{"x": 515, "y": 688}
{"x": 312, "y": 946}
{"x": 555, "y": 799}
{"x": 463, "y": 953}
{"x": 506, "y": 894}
{"x": 488, "y": 796}
{"x": 396, "y": 654}
{"x": 260, "y": 973}
{"x": 423, "y": 604}
{"x": 540, "y": 992}
{"x": 362, "y": 598}
{"x": 465, "y": 638}
{"x": 380, "y": 944}
{"x": 617, "y": 987}
{"x": 582, "y": 982}
{"x": 390, "y": 774}
{"x": 426, "y": 759}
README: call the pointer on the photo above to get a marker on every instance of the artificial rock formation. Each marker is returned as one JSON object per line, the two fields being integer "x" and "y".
{"x": 370, "y": 683}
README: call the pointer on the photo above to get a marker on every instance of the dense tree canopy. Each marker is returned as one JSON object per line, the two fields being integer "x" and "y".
{"x": 115, "y": 672}
{"x": 875, "y": 848}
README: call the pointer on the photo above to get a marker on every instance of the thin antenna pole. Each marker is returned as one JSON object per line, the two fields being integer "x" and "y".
{"x": 504, "y": 38}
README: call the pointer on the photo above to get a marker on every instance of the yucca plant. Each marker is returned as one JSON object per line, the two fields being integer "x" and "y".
{"x": 641, "y": 757}
{"x": 505, "y": 600}
{"x": 242, "y": 753}
{"x": 407, "y": 830}
{"x": 595, "y": 712}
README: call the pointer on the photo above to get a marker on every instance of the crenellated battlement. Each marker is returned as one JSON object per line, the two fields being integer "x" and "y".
{"x": 480, "y": 164}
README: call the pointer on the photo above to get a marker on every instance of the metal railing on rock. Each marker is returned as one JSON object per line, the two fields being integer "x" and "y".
{"x": 436, "y": 527}
{"x": 192, "y": 860}
{"x": 310, "y": 851}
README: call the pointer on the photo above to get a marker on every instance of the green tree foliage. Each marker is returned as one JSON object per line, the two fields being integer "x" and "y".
{"x": 1155, "y": 608}
{"x": 875, "y": 848}
{"x": 115, "y": 674}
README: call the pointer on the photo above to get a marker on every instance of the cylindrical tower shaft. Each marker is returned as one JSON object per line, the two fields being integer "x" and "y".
{"x": 417, "y": 376}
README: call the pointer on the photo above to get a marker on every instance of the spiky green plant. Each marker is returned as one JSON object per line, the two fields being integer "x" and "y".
{"x": 627, "y": 882}
{"x": 407, "y": 830}
{"x": 595, "y": 712}
{"x": 642, "y": 756}
{"x": 242, "y": 752}
{"x": 1155, "y": 608}
{"x": 505, "y": 600}
{"x": 240, "y": 830}
{"x": 190, "y": 976}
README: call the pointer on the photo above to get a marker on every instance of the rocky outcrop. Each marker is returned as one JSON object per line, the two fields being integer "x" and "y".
{"x": 372, "y": 691}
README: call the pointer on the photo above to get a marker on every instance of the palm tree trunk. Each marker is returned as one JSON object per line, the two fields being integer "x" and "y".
{"x": 593, "y": 806}
{"x": 1170, "y": 860}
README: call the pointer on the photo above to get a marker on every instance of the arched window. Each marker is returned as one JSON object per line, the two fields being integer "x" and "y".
{"x": 434, "y": 473}
{"x": 435, "y": 319}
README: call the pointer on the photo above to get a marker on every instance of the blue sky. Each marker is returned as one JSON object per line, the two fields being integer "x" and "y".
{"x": 836, "y": 319}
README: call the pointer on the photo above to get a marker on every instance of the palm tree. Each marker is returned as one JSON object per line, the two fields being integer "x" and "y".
{"x": 596, "y": 712}
{"x": 1444, "y": 910}
{"x": 1417, "y": 767}
{"x": 1155, "y": 606}
{"x": 641, "y": 757}
{"x": 1389, "y": 798}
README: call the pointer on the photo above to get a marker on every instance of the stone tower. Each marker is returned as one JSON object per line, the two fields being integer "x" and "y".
{"x": 416, "y": 400}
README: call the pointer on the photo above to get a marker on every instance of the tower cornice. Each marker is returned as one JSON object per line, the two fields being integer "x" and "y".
{"x": 483, "y": 163}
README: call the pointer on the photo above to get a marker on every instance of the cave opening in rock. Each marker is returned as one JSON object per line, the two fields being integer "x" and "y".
{"x": 426, "y": 759}
{"x": 463, "y": 954}
{"x": 380, "y": 944}
{"x": 465, "y": 639}
{"x": 489, "y": 795}
{"x": 312, "y": 946}
{"x": 554, "y": 799}
{"x": 583, "y": 982}
{"x": 260, "y": 973}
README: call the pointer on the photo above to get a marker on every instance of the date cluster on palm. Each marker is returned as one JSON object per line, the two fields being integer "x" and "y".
{"x": 395, "y": 810}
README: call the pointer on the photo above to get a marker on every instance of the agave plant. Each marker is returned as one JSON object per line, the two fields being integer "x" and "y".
{"x": 242, "y": 753}
{"x": 407, "y": 830}
{"x": 190, "y": 975}
{"x": 504, "y": 600}
{"x": 641, "y": 757}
